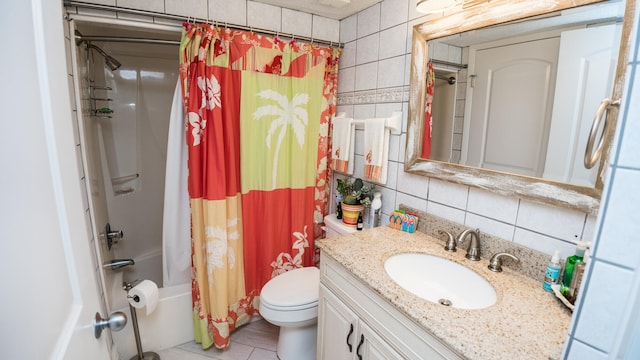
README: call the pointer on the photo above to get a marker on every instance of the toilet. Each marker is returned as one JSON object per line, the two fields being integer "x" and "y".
{"x": 290, "y": 301}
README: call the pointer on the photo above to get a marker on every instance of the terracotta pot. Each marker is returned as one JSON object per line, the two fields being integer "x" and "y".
{"x": 350, "y": 214}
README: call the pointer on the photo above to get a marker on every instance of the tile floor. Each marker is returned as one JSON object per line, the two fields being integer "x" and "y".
{"x": 254, "y": 341}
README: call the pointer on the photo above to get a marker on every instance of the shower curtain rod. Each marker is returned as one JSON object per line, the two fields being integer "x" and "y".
{"x": 79, "y": 4}
{"x": 127, "y": 40}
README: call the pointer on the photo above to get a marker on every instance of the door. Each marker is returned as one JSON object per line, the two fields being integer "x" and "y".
{"x": 373, "y": 347}
{"x": 338, "y": 332}
{"x": 586, "y": 67}
{"x": 509, "y": 128}
{"x": 48, "y": 275}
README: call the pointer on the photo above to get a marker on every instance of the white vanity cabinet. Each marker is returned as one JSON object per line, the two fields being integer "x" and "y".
{"x": 354, "y": 322}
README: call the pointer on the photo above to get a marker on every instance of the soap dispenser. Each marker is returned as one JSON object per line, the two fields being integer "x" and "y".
{"x": 571, "y": 263}
{"x": 552, "y": 274}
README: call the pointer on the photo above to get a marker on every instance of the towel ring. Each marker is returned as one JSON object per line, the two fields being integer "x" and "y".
{"x": 591, "y": 157}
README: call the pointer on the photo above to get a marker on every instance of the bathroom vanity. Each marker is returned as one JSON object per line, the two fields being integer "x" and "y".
{"x": 364, "y": 314}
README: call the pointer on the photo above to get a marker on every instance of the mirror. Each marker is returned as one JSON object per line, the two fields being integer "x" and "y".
{"x": 521, "y": 142}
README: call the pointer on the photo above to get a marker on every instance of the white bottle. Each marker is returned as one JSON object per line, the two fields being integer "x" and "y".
{"x": 552, "y": 274}
{"x": 374, "y": 213}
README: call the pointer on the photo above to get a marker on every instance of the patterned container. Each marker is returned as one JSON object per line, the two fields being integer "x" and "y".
{"x": 350, "y": 214}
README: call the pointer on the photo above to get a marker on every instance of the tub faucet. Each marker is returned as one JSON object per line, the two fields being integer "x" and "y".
{"x": 473, "y": 251}
{"x": 116, "y": 264}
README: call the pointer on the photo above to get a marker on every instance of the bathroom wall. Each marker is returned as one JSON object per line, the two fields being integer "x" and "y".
{"x": 374, "y": 81}
{"x": 606, "y": 324}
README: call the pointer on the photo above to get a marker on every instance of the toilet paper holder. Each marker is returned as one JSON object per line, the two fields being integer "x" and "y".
{"x": 149, "y": 355}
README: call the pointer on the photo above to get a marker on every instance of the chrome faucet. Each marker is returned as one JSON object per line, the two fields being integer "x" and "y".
{"x": 473, "y": 251}
{"x": 116, "y": 264}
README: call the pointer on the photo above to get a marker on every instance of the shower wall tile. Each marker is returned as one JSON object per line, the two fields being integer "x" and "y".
{"x": 346, "y": 79}
{"x": 296, "y": 22}
{"x": 366, "y": 76}
{"x": 147, "y": 5}
{"x": 369, "y": 21}
{"x": 196, "y": 8}
{"x": 395, "y": 12}
{"x": 326, "y": 29}
{"x": 348, "y": 56}
{"x": 391, "y": 72}
{"x": 349, "y": 28}
{"x": 230, "y": 11}
{"x": 264, "y": 16}
{"x": 392, "y": 42}
{"x": 367, "y": 49}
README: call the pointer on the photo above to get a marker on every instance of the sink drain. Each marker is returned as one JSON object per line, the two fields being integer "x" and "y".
{"x": 445, "y": 302}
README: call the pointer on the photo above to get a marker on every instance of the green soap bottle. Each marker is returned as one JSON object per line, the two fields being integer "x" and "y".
{"x": 571, "y": 263}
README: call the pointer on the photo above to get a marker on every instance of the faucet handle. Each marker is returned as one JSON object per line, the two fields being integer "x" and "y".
{"x": 495, "y": 264}
{"x": 451, "y": 241}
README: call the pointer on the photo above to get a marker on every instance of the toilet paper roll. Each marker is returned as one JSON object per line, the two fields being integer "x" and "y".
{"x": 145, "y": 294}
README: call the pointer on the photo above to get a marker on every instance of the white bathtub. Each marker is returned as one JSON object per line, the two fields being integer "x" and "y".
{"x": 169, "y": 325}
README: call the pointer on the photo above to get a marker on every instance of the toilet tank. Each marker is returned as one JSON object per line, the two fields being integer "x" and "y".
{"x": 335, "y": 227}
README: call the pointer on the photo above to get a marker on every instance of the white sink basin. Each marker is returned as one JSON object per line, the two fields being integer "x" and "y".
{"x": 440, "y": 281}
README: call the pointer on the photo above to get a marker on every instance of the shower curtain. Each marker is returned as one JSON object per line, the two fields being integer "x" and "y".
{"x": 176, "y": 223}
{"x": 428, "y": 118}
{"x": 258, "y": 112}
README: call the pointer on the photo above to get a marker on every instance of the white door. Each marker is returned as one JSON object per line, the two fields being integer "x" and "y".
{"x": 373, "y": 347}
{"x": 511, "y": 107}
{"x": 586, "y": 67}
{"x": 50, "y": 290}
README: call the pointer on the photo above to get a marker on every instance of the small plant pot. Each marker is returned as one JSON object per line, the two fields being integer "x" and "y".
{"x": 350, "y": 214}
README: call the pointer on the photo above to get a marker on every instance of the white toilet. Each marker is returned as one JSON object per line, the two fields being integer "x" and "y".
{"x": 290, "y": 300}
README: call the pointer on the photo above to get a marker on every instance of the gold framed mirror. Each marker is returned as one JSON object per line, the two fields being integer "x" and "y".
{"x": 470, "y": 19}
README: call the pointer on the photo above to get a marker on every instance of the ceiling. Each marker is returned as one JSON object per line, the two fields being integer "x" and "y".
{"x": 332, "y": 9}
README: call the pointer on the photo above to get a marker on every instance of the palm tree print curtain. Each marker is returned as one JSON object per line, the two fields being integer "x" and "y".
{"x": 258, "y": 113}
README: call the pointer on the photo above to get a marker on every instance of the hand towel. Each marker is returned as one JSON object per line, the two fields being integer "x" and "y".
{"x": 343, "y": 139}
{"x": 376, "y": 150}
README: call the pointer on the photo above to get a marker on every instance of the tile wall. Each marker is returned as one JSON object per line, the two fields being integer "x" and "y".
{"x": 374, "y": 81}
{"x": 233, "y": 12}
{"x": 608, "y": 318}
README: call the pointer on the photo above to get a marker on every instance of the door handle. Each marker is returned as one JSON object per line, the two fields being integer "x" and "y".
{"x": 590, "y": 156}
{"x": 348, "y": 336}
{"x": 115, "y": 322}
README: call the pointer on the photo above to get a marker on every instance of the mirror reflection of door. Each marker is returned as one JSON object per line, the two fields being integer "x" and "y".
{"x": 445, "y": 141}
{"x": 512, "y": 106}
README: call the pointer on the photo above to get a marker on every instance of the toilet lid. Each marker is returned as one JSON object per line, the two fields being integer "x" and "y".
{"x": 292, "y": 289}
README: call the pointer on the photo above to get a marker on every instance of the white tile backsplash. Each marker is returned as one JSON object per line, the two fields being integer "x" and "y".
{"x": 490, "y": 226}
{"x": 562, "y": 223}
{"x": 297, "y": 22}
{"x": 412, "y": 201}
{"x": 543, "y": 243}
{"x": 446, "y": 212}
{"x": 491, "y": 205}
{"x": 413, "y": 184}
{"x": 449, "y": 194}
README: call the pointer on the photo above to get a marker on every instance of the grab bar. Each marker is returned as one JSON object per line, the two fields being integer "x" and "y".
{"x": 591, "y": 157}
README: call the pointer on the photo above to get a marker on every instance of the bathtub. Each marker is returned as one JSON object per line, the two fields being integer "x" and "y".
{"x": 169, "y": 325}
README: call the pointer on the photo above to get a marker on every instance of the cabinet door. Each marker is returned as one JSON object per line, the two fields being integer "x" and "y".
{"x": 372, "y": 347}
{"x": 338, "y": 333}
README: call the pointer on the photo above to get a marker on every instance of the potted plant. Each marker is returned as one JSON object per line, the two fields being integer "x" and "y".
{"x": 355, "y": 196}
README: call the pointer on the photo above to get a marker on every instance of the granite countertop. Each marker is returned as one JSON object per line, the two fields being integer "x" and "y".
{"x": 526, "y": 322}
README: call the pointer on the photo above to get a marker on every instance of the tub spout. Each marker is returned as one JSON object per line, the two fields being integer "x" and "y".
{"x": 116, "y": 264}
